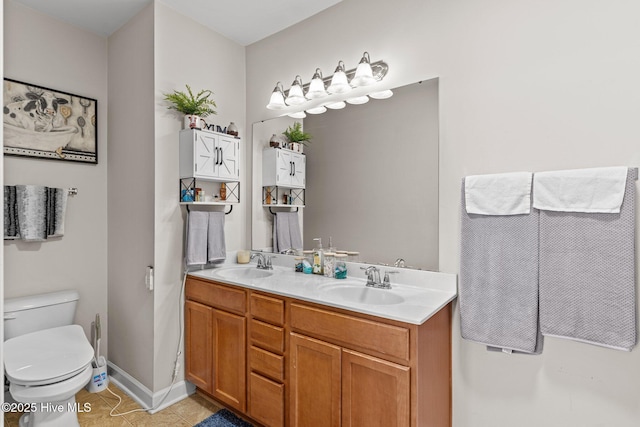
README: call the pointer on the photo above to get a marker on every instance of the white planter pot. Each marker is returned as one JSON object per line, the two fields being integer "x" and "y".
{"x": 191, "y": 122}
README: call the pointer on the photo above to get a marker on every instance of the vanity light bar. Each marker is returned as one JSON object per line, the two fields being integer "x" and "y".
{"x": 365, "y": 74}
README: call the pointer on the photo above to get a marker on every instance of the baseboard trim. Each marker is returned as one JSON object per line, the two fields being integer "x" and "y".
{"x": 145, "y": 397}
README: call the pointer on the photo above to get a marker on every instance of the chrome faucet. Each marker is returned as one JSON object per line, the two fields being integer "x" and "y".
{"x": 264, "y": 262}
{"x": 399, "y": 263}
{"x": 373, "y": 277}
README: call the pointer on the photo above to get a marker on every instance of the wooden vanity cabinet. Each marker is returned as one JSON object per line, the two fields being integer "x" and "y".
{"x": 357, "y": 371}
{"x": 285, "y": 362}
{"x": 215, "y": 341}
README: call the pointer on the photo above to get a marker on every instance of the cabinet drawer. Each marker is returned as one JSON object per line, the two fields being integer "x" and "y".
{"x": 218, "y": 296}
{"x": 267, "y": 336}
{"x": 351, "y": 331}
{"x": 268, "y": 309}
{"x": 266, "y": 401}
{"x": 266, "y": 363}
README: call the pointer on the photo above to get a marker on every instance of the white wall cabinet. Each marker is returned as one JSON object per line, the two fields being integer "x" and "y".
{"x": 209, "y": 155}
{"x": 283, "y": 168}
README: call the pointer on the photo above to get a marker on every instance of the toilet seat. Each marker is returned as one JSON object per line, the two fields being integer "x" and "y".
{"x": 47, "y": 356}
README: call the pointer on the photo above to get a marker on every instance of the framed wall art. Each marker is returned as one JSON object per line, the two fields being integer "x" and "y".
{"x": 48, "y": 123}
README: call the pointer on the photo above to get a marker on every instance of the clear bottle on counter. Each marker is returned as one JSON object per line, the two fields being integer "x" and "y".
{"x": 318, "y": 258}
{"x": 329, "y": 264}
{"x": 340, "y": 266}
{"x": 307, "y": 263}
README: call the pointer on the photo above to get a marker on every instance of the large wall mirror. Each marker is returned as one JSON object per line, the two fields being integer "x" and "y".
{"x": 371, "y": 178}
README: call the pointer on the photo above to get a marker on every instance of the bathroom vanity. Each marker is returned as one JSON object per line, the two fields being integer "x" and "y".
{"x": 287, "y": 349}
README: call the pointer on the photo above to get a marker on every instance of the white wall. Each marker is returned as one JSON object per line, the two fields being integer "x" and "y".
{"x": 524, "y": 85}
{"x": 131, "y": 196}
{"x": 187, "y": 53}
{"x": 41, "y": 50}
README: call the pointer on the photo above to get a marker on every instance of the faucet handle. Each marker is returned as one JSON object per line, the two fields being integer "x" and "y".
{"x": 268, "y": 264}
{"x": 386, "y": 282}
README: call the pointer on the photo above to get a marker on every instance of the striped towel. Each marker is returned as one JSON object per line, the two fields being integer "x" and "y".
{"x": 34, "y": 213}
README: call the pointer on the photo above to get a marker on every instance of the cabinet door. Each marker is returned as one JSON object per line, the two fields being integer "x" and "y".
{"x": 374, "y": 392}
{"x": 284, "y": 168}
{"x": 229, "y": 359}
{"x": 314, "y": 382}
{"x": 228, "y": 158}
{"x": 298, "y": 163}
{"x": 205, "y": 155}
{"x": 198, "y": 345}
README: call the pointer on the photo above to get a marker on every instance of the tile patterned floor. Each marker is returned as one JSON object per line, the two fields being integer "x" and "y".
{"x": 185, "y": 413}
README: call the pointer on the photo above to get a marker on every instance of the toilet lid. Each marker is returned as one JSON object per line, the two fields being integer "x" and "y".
{"x": 46, "y": 354}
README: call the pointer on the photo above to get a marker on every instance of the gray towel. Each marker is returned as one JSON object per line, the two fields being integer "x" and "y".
{"x": 587, "y": 274}
{"x": 56, "y": 211}
{"x": 196, "y": 247}
{"x": 215, "y": 237}
{"x": 498, "y": 289}
{"x": 32, "y": 206}
{"x": 11, "y": 229}
{"x": 286, "y": 231}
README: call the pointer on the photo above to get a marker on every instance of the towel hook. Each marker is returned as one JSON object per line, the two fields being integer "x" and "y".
{"x": 72, "y": 191}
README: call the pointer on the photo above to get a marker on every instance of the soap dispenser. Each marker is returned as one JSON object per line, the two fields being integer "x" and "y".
{"x": 318, "y": 258}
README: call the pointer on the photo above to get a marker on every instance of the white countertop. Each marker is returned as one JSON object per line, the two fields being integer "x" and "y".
{"x": 422, "y": 293}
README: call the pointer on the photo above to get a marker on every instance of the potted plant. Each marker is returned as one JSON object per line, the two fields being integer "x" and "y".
{"x": 194, "y": 107}
{"x": 296, "y": 136}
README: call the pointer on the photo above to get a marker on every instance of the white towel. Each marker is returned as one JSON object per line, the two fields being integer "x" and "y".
{"x": 596, "y": 190}
{"x": 498, "y": 194}
{"x": 196, "y": 247}
{"x": 216, "y": 248}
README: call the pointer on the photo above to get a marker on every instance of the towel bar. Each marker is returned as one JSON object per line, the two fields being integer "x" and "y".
{"x": 273, "y": 213}
{"x": 226, "y": 213}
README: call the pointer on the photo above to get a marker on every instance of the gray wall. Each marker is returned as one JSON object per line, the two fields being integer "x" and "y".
{"x": 524, "y": 85}
{"x": 41, "y": 50}
{"x": 372, "y": 177}
{"x": 131, "y": 196}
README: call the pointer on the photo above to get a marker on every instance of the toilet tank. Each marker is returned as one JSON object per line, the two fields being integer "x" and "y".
{"x": 36, "y": 312}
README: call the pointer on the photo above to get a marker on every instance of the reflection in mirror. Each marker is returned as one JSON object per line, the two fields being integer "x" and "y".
{"x": 371, "y": 178}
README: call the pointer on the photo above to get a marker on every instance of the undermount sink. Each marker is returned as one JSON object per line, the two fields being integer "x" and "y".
{"x": 359, "y": 293}
{"x": 246, "y": 273}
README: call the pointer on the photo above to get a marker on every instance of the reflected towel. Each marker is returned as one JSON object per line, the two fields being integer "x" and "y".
{"x": 498, "y": 290}
{"x": 215, "y": 237}
{"x": 197, "y": 226}
{"x": 580, "y": 190}
{"x": 286, "y": 231}
{"x": 587, "y": 274}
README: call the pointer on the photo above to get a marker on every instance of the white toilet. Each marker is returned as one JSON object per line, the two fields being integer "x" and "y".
{"x": 47, "y": 359}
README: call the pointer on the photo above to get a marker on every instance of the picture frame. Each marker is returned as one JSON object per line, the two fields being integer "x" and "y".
{"x": 49, "y": 123}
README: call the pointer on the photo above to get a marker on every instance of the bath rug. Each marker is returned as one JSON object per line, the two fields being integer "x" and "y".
{"x": 223, "y": 418}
